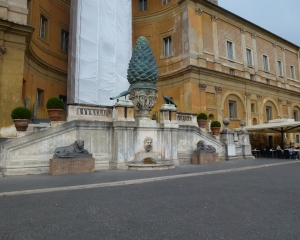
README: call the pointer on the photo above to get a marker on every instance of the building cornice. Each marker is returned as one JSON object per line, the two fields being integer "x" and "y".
{"x": 226, "y": 77}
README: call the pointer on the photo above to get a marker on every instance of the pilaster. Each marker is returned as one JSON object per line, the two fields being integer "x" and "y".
{"x": 202, "y": 93}
{"x": 248, "y": 104}
{"x": 243, "y": 38}
{"x": 216, "y": 42}
{"x": 219, "y": 103}
{"x": 284, "y": 64}
{"x": 260, "y": 110}
{"x": 255, "y": 60}
{"x": 276, "y": 59}
{"x": 280, "y": 107}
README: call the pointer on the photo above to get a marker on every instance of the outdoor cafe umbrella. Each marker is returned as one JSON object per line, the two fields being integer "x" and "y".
{"x": 276, "y": 126}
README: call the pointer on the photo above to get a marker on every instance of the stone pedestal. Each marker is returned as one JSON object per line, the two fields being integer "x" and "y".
{"x": 66, "y": 166}
{"x": 205, "y": 158}
{"x": 124, "y": 111}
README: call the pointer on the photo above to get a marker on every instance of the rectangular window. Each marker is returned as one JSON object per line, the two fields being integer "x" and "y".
{"x": 292, "y": 72}
{"x": 267, "y": 81}
{"x": 231, "y": 71}
{"x": 296, "y": 115}
{"x": 266, "y": 63}
{"x": 142, "y": 5}
{"x": 164, "y": 2}
{"x": 249, "y": 57}
{"x": 268, "y": 113}
{"x": 252, "y": 107}
{"x": 167, "y": 46}
{"x": 279, "y": 66}
{"x": 64, "y": 40}
{"x": 230, "y": 50}
{"x": 39, "y": 97}
{"x": 43, "y": 27}
{"x": 297, "y": 139}
{"x": 251, "y": 76}
{"x": 232, "y": 109}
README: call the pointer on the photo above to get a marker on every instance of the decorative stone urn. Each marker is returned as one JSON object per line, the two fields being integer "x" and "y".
{"x": 142, "y": 74}
{"x": 21, "y": 124}
{"x": 215, "y": 131}
{"x": 55, "y": 114}
{"x": 202, "y": 123}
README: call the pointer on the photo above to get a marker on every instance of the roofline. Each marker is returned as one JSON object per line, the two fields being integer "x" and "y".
{"x": 237, "y": 16}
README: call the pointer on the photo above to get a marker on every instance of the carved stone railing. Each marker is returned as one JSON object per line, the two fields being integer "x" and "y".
{"x": 184, "y": 118}
{"x": 87, "y": 112}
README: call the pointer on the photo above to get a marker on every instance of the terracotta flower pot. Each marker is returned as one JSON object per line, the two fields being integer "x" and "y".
{"x": 215, "y": 131}
{"x": 202, "y": 123}
{"x": 55, "y": 114}
{"x": 21, "y": 124}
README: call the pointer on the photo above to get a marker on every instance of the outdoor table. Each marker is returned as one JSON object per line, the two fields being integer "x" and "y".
{"x": 272, "y": 151}
{"x": 256, "y": 153}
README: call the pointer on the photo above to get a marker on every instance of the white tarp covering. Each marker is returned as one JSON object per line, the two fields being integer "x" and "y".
{"x": 100, "y": 48}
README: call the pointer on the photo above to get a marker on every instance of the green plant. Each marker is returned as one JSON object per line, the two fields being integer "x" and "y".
{"x": 21, "y": 113}
{"x": 215, "y": 124}
{"x": 55, "y": 103}
{"x": 202, "y": 116}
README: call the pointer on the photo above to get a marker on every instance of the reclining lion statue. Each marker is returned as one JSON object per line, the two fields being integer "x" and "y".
{"x": 74, "y": 150}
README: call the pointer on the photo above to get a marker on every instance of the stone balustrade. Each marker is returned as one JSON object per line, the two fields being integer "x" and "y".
{"x": 184, "y": 118}
{"x": 77, "y": 112}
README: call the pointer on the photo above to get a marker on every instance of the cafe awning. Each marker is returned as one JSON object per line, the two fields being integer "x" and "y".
{"x": 277, "y": 126}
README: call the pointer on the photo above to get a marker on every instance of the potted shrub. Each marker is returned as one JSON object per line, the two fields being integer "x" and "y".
{"x": 55, "y": 108}
{"x": 202, "y": 120}
{"x": 215, "y": 127}
{"x": 21, "y": 117}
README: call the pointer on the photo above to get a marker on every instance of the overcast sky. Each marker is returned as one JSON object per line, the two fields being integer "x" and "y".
{"x": 281, "y": 17}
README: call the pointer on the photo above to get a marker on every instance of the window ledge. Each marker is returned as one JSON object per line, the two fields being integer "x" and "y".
{"x": 165, "y": 57}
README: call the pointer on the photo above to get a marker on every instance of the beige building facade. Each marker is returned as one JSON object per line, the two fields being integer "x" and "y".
{"x": 213, "y": 61}
{"x": 210, "y": 60}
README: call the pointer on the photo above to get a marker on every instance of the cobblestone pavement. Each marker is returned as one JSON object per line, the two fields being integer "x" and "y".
{"x": 262, "y": 203}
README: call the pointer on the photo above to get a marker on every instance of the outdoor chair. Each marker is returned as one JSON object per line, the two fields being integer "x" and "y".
{"x": 278, "y": 153}
{"x": 268, "y": 153}
{"x": 286, "y": 154}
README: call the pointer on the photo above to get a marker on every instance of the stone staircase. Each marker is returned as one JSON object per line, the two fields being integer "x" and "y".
{"x": 26, "y": 165}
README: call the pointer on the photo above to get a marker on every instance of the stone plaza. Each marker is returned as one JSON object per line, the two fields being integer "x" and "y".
{"x": 245, "y": 199}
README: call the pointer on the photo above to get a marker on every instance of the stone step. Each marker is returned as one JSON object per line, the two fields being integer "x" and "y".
{"x": 26, "y": 161}
{"x": 24, "y": 170}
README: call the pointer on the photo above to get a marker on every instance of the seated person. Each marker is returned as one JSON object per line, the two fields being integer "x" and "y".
{"x": 290, "y": 151}
{"x": 278, "y": 147}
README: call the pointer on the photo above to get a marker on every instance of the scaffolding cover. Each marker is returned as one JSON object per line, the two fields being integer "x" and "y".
{"x": 100, "y": 48}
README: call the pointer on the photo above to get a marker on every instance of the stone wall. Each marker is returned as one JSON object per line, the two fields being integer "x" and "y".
{"x": 112, "y": 144}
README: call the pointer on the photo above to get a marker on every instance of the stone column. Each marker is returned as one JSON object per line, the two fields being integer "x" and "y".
{"x": 219, "y": 103}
